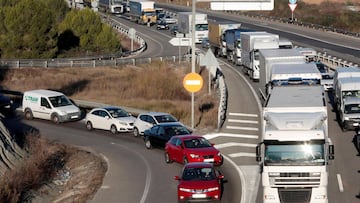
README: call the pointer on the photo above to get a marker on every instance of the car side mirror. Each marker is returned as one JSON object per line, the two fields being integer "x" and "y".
{"x": 221, "y": 177}
{"x": 107, "y": 117}
{"x": 177, "y": 178}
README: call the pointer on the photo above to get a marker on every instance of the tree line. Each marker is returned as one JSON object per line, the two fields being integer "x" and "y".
{"x": 50, "y": 29}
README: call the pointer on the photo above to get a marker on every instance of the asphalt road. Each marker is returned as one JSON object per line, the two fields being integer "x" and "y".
{"x": 139, "y": 175}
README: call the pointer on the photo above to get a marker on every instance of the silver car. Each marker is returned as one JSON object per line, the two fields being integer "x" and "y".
{"x": 147, "y": 120}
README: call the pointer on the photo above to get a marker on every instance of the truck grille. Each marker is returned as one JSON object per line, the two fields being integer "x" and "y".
{"x": 295, "y": 196}
{"x": 295, "y": 180}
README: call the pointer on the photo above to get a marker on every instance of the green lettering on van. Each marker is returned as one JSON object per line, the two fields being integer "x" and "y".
{"x": 31, "y": 99}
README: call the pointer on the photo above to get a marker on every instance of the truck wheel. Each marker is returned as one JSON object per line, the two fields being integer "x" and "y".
{"x": 28, "y": 114}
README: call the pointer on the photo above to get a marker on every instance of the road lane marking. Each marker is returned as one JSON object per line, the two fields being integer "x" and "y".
{"x": 242, "y": 121}
{"x": 241, "y": 128}
{"x": 215, "y": 135}
{"x": 341, "y": 187}
{"x": 234, "y": 144}
{"x": 243, "y": 114}
{"x": 242, "y": 154}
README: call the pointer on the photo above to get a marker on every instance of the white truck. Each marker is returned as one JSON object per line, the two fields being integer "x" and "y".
{"x": 251, "y": 43}
{"x": 142, "y": 12}
{"x": 347, "y": 101}
{"x": 309, "y": 53}
{"x": 201, "y": 25}
{"x": 233, "y": 44}
{"x": 115, "y": 7}
{"x": 293, "y": 74}
{"x": 269, "y": 57}
{"x": 295, "y": 150}
{"x": 217, "y": 35}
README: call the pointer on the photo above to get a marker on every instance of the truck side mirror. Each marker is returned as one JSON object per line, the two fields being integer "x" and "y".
{"x": 331, "y": 152}
{"x": 258, "y": 154}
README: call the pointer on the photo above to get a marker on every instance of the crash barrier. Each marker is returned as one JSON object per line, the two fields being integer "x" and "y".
{"x": 223, "y": 101}
{"x": 108, "y": 61}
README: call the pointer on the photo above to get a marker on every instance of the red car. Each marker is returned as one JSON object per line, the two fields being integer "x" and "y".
{"x": 191, "y": 148}
{"x": 199, "y": 182}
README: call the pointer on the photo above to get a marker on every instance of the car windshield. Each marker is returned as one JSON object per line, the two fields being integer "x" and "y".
{"x": 60, "y": 101}
{"x": 176, "y": 130}
{"x": 117, "y": 113}
{"x": 165, "y": 119}
{"x": 198, "y": 174}
{"x": 197, "y": 143}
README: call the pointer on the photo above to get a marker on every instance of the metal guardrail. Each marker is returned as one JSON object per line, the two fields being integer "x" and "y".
{"x": 331, "y": 61}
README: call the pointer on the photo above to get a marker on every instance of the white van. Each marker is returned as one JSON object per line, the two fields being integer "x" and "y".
{"x": 49, "y": 105}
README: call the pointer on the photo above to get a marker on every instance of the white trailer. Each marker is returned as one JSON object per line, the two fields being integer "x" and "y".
{"x": 295, "y": 150}
{"x": 269, "y": 57}
{"x": 347, "y": 100}
{"x": 201, "y": 25}
{"x": 251, "y": 43}
{"x": 216, "y": 35}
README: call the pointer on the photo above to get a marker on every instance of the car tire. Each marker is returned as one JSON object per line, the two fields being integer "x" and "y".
{"x": 136, "y": 132}
{"x": 113, "y": 129}
{"x": 148, "y": 143}
{"x": 89, "y": 126}
{"x": 167, "y": 158}
{"x": 185, "y": 160}
{"x": 55, "y": 118}
{"x": 28, "y": 114}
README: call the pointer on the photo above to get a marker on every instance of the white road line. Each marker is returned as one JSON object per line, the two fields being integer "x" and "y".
{"x": 242, "y": 154}
{"x": 341, "y": 187}
{"x": 215, "y": 135}
{"x": 243, "y": 114}
{"x": 234, "y": 144}
{"x": 242, "y": 121}
{"x": 241, "y": 128}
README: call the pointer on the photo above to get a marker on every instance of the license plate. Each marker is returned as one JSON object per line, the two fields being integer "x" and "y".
{"x": 199, "y": 196}
{"x": 208, "y": 160}
{"x": 74, "y": 117}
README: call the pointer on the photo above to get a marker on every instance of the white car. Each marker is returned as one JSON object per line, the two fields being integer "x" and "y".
{"x": 114, "y": 119}
{"x": 169, "y": 20}
{"x": 147, "y": 120}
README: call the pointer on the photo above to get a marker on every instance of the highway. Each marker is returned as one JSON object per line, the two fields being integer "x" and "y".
{"x": 139, "y": 175}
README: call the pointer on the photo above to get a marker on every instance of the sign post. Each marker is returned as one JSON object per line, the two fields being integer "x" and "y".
{"x": 132, "y": 32}
{"x": 292, "y": 5}
{"x": 192, "y": 82}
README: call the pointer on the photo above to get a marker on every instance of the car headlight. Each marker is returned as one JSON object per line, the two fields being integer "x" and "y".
{"x": 185, "y": 189}
{"x": 213, "y": 189}
{"x": 194, "y": 156}
{"x": 346, "y": 118}
{"x": 122, "y": 123}
{"x": 219, "y": 154}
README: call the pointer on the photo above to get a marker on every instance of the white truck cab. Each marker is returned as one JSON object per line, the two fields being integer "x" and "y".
{"x": 49, "y": 105}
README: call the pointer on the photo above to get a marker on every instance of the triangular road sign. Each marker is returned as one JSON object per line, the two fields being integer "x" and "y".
{"x": 292, "y": 7}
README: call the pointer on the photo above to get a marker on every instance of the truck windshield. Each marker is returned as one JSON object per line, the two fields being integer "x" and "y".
{"x": 294, "y": 154}
{"x": 117, "y": 1}
{"x": 201, "y": 27}
{"x": 59, "y": 101}
{"x": 352, "y": 108}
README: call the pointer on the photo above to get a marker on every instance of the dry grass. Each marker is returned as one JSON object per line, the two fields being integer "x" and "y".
{"x": 34, "y": 180}
{"x": 156, "y": 87}
{"x": 40, "y": 167}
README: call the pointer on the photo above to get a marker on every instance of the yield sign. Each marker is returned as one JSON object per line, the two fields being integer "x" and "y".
{"x": 210, "y": 61}
{"x": 292, "y": 7}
